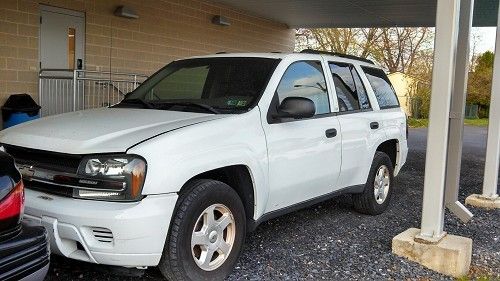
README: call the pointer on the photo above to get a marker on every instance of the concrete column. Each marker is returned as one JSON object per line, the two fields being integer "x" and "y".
{"x": 489, "y": 198}
{"x": 457, "y": 113}
{"x": 445, "y": 47}
{"x": 430, "y": 246}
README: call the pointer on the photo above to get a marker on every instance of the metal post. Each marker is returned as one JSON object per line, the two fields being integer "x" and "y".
{"x": 455, "y": 139}
{"x": 490, "y": 183}
{"x": 75, "y": 74}
{"x": 447, "y": 15}
{"x": 40, "y": 96}
{"x": 82, "y": 94}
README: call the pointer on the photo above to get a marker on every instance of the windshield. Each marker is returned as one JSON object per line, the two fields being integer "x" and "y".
{"x": 213, "y": 85}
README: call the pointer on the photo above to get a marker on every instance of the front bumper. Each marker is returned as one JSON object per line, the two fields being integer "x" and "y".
{"x": 26, "y": 255}
{"x": 112, "y": 233}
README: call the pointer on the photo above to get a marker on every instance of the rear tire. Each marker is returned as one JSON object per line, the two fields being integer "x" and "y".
{"x": 198, "y": 230}
{"x": 379, "y": 187}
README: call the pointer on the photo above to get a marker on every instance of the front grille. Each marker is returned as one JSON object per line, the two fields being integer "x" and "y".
{"x": 49, "y": 188}
{"x": 102, "y": 234}
{"x": 53, "y": 161}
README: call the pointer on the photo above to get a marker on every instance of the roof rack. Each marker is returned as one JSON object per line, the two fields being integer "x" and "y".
{"x": 311, "y": 51}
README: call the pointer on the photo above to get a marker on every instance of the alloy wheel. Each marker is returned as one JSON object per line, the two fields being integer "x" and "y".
{"x": 213, "y": 237}
{"x": 382, "y": 184}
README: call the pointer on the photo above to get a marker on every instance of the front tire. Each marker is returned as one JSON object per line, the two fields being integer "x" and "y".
{"x": 206, "y": 234}
{"x": 379, "y": 187}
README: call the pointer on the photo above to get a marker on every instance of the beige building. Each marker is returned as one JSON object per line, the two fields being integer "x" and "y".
{"x": 68, "y": 33}
{"x": 406, "y": 87}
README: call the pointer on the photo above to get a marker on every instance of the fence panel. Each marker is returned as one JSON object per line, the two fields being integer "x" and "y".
{"x": 63, "y": 90}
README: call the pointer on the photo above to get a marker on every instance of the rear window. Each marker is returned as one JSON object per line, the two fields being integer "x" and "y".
{"x": 384, "y": 92}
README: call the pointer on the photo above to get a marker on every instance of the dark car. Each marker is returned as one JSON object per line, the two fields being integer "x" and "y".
{"x": 24, "y": 249}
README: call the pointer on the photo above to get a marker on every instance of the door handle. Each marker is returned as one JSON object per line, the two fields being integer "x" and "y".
{"x": 374, "y": 125}
{"x": 330, "y": 133}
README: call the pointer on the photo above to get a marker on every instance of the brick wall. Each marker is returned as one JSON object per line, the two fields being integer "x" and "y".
{"x": 166, "y": 30}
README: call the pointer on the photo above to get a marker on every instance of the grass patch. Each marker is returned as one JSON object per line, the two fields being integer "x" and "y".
{"x": 423, "y": 123}
{"x": 418, "y": 123}
{"x": 476, "y": 122}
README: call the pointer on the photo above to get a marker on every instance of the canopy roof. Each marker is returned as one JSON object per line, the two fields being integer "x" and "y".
{"x": 358, "y": 13}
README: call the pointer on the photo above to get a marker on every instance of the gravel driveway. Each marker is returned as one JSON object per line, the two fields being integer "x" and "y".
{"x": 330, "y": 241}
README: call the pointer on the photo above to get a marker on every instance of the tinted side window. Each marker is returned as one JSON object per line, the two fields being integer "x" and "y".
{"x": 384, "y": 92}
{"x": 305, "y": 79}
{"x": 364, "y": 102}
{"x": 344, "y": 86}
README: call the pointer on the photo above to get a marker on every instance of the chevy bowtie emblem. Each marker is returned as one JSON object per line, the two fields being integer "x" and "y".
{"x": 26, "y": 170}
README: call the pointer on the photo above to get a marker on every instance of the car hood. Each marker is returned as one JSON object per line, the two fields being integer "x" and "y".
{"x": 100, "y": 130}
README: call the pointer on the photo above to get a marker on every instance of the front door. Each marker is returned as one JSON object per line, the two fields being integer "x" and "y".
{"x": 304, "y": 154}
{"x": 62, "y": 38}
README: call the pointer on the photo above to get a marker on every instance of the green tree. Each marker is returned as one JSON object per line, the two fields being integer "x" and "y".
{"x": 479, "y": 84}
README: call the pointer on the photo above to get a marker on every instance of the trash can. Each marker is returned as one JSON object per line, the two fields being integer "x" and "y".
{"x": 18, "y": 109}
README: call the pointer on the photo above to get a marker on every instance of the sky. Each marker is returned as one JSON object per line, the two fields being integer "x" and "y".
{"x": 484, "y": 37}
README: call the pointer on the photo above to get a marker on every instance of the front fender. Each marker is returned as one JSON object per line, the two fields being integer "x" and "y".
{"x": 177, "y": 156}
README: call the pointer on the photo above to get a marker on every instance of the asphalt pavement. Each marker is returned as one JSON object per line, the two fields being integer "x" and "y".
{"x": 330, "y": 241}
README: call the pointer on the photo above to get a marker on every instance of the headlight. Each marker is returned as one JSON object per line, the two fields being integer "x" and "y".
{"x": 111, "y": 177}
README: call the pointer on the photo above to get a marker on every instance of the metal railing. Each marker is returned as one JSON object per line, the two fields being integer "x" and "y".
{"x": 64, "y": 90}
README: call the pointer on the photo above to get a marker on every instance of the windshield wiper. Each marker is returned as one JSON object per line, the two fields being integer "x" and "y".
{"x": 139, "y": 101}
{"x": 206, "y": 107}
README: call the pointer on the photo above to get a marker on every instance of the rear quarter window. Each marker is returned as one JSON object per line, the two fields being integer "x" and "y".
{"x": 382, "y": 87}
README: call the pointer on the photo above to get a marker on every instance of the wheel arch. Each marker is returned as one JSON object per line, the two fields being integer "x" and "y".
{"x": 391, "y": 148}
{"x": 238, "y": 177}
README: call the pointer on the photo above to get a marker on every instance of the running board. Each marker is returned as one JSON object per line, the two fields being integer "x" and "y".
{"x": 253, "y": 224}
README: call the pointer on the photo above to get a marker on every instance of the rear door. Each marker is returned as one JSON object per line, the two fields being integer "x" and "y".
{"x": 304, "y": 154}
{"x": 391, "y": 117}
{"x": 359, "y": 123}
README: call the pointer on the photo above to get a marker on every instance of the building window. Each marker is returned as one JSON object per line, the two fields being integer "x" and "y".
{"x": 71, "y": 48}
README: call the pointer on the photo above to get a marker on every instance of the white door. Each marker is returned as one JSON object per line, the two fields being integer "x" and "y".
{"x": 360, "y": 125}
{"x": 304, "y": 154}
{"x": 62, "y": 38}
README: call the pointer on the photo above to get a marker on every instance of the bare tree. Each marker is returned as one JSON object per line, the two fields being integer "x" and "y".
{"x": 304, "y": 39}
{"x": 355, "y": 41}
{"x": 475, "y": 39}
{"x": 399, "y": 48}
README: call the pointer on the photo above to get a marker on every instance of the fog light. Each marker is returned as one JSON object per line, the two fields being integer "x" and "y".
{"x": 82, "y": 193}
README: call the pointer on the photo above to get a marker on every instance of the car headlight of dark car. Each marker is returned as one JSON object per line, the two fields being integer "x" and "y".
{"x": 111, "y": 177}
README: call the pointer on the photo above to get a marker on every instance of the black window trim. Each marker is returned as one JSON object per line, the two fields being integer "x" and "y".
{"x": 363, "y": 67}
{"x": 353, "y": 111}
{"x": 364, "y": 87}
{"x": 361, "y": 110}
{"x": 275, "y": 99}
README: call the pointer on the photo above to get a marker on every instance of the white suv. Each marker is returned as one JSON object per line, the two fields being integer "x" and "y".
{"x": 205, "y": 150}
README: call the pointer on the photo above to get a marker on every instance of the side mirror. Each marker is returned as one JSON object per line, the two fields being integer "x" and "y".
{"x": 296, "y": 107}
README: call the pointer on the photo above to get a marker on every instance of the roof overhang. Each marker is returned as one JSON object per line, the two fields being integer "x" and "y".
{"x": 357, "y": 13}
